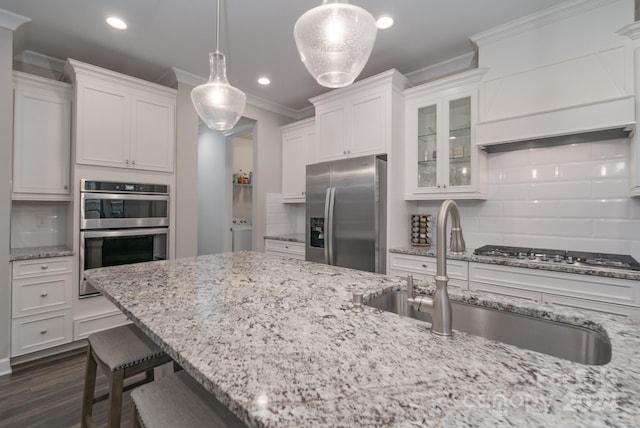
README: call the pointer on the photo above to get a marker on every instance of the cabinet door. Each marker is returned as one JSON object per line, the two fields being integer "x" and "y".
{"x": 294, "y": 162}
{"x": 152, "y": 134}
{"x": 457, "y": 167}
{"x": 42, "y": 140}
{"x": 331, "y": 134}
{"x": 103, "y": 117}
{"x": 368, "y": 126}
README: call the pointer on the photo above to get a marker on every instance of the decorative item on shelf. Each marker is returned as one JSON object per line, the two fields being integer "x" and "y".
{"x": 335, "y": 40}
{"x": 421, "y": 232}
{"x": 218, "y": 104}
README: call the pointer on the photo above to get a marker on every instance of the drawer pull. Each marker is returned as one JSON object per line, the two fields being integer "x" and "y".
{"x": 44, "y": 267}
{"x": 43, "y": 331}
{"x": 286, "y": 246}
{"x": 44, "y": 294}
{"x": 424, "y": 266}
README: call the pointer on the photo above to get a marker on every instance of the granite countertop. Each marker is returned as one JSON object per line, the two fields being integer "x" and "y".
{"x": 291, "y": 237}
{"x": 30, "y": 253}
{"x": 468, "y": 256}
{"x": 277, "y": 341}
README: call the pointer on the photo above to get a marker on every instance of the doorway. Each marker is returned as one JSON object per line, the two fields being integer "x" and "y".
{"x": 225, "y": 188}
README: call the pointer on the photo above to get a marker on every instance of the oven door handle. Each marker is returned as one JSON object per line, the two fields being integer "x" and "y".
{"x": 124, "y": 196}
{"x": 128, "y": 232}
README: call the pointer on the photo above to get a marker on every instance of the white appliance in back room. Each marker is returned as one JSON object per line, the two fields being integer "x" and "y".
{"x": 241, "y": 231}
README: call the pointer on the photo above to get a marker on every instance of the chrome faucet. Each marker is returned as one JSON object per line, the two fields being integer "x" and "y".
{"x": 439, "y": 306}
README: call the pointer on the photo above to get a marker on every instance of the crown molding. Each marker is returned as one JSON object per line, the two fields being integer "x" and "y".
{"x": 11, "y": 21}
{"x": 632, "y": 31}
{"x": 544, "y": 17}
{"x": 41, "y": 61}
{"x": 442, "y": 69}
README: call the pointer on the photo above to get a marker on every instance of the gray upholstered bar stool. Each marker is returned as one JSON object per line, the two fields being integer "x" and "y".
{"x": 177, "y": 400}
{"x": 121, "y": 352}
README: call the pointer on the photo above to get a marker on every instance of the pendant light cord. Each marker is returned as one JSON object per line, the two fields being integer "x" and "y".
{"x": 218, "y": 27}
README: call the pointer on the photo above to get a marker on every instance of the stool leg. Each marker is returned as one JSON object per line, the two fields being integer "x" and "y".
{"x": 135, "y": 421}
{"x": 89, "y": 388}
{"x": 115, "y": 398}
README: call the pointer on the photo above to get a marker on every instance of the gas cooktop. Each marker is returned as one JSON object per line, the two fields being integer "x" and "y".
{"x": 577, "y": 258}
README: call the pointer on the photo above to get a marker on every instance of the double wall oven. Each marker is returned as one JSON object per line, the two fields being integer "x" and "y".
{"x": 121, "y": 223}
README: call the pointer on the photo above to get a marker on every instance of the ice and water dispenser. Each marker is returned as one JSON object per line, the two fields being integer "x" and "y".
{"x": 317, "y": 232}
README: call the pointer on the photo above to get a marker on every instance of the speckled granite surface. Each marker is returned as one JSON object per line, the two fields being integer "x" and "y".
{"x": 292, "y": 237}
{"x": 529, "y": 264}
{"x": 277, "y": 341}
{"x": 40, "y": 252}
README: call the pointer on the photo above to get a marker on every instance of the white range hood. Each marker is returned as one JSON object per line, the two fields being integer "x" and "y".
{"x": 562, "y": 72}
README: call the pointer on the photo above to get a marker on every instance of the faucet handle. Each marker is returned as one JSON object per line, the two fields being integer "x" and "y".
{"x": 409, "y": 286}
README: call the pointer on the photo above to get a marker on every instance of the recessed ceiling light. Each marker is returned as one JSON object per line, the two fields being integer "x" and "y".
{"x": 264, "y": 81}
{"x": 116, "y": 22}
{"x": 384, "y": 22}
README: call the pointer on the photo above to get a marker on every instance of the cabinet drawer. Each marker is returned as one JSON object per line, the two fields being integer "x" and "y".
{"x": 506, "y": 291}
{"x": 30, "y": 334}
{"x": 456, "y": 269}
{"x": 29, "y": 268}
{"x": 292, "y": 248}
{"x": 609, "y": 308}
{"x": 86, "y": 326}
{"x": 41, "y": 294}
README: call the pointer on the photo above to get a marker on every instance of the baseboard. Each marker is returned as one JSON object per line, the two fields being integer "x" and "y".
{"x": 5, "y": 367}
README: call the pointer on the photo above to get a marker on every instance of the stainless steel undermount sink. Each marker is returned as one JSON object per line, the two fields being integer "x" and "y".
{"x": 552, "y": 338}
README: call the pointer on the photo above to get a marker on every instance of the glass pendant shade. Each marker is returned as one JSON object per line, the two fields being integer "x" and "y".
{"x": 335, "y": 40}
{"x": 218, "y": 104}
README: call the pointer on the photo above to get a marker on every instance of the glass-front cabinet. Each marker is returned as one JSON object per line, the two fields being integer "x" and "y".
{"x": 441, "y": 158}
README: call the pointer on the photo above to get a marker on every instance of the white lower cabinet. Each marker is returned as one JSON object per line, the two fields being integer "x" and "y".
{"x": 424, "y": 268}
{"x": 294, "y": 250}
{"x": 41, "y": 304}
{"x": 610, "y": 295}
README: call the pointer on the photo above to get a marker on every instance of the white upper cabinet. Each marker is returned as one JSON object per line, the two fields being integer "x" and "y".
{"x": 442, "y": 160}
{"x": 356, "y": 121}
{"x": 42, "y": 138}
{"x": 298, "y": 151}
{"x": 633, "y": 32}
{"x": 122, "y": 121}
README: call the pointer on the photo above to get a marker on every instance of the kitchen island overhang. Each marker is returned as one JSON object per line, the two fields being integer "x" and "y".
{"x": 276, "y": 341}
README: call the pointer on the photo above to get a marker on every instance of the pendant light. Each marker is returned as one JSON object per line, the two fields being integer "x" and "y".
{"x": 218, "y": 104}
{"x": 335, "y": 40}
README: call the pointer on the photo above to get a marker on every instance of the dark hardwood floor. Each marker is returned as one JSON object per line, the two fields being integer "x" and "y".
{"x": 47, "y": 393}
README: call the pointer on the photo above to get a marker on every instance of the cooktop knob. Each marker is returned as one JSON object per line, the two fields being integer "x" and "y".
{"x": 521, "y": 255}
{"x": 532, "y": 256}
{"x": 544, "y": 257}
{"x": 569, "y": 259}
{"x": 557, "y": 258}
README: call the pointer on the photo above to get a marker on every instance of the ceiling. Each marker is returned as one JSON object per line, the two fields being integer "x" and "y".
{"x": 256, "y": 36}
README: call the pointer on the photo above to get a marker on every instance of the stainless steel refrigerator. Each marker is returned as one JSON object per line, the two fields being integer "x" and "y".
{"x": 346, "y": 213}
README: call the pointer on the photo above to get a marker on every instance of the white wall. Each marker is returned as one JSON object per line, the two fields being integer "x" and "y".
{"x": 213, "y": 192}
{"x": 572, "y": 197}
{"x": 186, "y": 195}
{"x": 6, "y": 137}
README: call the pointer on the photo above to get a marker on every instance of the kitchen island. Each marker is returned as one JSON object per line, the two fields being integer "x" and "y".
{"x": 278, "y": 342}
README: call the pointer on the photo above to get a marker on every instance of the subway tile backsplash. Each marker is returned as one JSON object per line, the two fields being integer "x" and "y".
{"x": 35, "y": 224}
{"x": 283, "y": 219}
{"x": 567, "y": 197}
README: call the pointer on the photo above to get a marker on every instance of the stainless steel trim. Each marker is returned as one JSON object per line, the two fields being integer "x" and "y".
{"x": 129, "y": 196}
{"x": 114, "y": 223}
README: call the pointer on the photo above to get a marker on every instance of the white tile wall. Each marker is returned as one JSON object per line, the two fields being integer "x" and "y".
{"x": 567, "y": 197}
{"x": 35, "y": 224}
{"x": 283, "y": 219}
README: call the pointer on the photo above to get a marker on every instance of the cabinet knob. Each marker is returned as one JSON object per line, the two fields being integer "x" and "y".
{"x": 44, "y": 294}
{"x": 344, "y": 152}
{"x": 127, "y": 161}
{"x": 44, "y": 267}
{"x": 424, "y": 266}
{"x": 303, "y": 193}
{"x": 43, "y": 331}
{"x": 66, "y": 187}
{"x": 133, "y": 162}
{"x": 286, "y": 246}
{"x": 444, "y": 186}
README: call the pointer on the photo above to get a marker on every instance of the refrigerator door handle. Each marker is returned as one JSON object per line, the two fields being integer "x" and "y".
{"x": 329, "y": 209}
{"x": 327, "y": 228}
